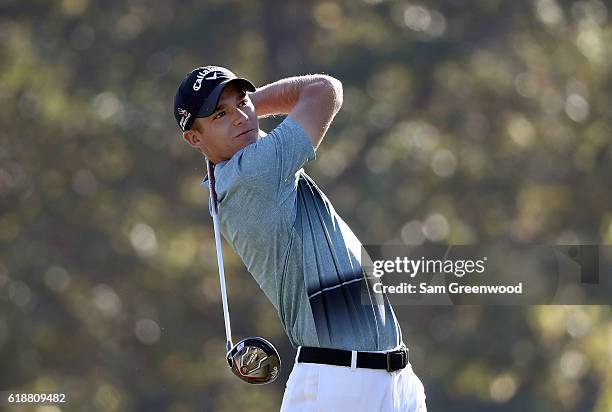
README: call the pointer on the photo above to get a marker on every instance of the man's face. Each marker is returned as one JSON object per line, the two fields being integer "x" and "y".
{"x": 231, "y": 127}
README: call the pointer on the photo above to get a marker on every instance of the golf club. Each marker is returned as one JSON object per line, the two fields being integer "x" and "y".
{"x": 253, "y": 360}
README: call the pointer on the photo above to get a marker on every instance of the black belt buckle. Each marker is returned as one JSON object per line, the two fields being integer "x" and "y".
{"x": 402, "y": 352}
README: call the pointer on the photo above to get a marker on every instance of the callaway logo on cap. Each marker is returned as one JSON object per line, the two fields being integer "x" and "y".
{"x": 199, "y": 92}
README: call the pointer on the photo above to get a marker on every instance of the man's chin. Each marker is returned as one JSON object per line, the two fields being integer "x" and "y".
{"x": 250, "y": 137}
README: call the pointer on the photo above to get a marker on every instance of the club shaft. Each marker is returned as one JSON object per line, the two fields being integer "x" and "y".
{"x": 215, "y": 218}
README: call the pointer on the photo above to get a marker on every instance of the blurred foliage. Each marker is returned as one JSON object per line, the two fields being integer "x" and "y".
{"x": 463, "y": 122}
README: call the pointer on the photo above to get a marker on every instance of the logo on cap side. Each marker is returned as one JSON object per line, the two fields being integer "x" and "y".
{"x": 185, "y": 115}
{"x": 198, "y": 83}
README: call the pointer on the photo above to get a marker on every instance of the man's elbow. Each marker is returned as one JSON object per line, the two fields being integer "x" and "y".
{"x": 331, "y": 89}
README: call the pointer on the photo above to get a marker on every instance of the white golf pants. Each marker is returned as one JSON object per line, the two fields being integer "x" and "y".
{"x": 321, "y": 388}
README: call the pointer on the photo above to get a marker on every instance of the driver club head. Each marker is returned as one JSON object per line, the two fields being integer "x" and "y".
{"x": 254, "y": 360}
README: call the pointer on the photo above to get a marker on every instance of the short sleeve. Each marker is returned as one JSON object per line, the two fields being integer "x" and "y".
{"x": 295, "y": 147}
{"x": 275, "y": 158}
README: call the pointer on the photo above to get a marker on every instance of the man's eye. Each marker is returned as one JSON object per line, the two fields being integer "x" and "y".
{"x": 219, "y": 115}
{"x": 243, "y": 103}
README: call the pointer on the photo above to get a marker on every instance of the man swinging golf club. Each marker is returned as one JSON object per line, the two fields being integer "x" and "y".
{"x": 350, "y": 354}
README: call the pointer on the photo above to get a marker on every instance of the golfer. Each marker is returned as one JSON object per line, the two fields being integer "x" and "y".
{"x": 350, "y": 354}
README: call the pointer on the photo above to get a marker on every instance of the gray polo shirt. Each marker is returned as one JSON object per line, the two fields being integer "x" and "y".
{"x": 301, "y": 253}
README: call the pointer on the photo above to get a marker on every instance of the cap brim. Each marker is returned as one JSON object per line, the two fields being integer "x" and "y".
{"x": 210, "y": 104}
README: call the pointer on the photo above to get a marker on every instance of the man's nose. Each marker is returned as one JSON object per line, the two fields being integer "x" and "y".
{"x": 240, "y": 117}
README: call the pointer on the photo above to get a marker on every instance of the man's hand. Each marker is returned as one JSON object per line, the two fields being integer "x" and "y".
{"x": 311, "y": 100}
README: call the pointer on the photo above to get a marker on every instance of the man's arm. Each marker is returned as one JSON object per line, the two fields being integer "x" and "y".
{"x": 311, "y": 100}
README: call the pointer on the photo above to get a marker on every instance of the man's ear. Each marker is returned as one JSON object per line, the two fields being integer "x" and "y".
{"x": 191, "y": 137}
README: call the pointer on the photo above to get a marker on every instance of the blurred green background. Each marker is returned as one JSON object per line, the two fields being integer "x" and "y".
{"x": 463, "y": 122}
